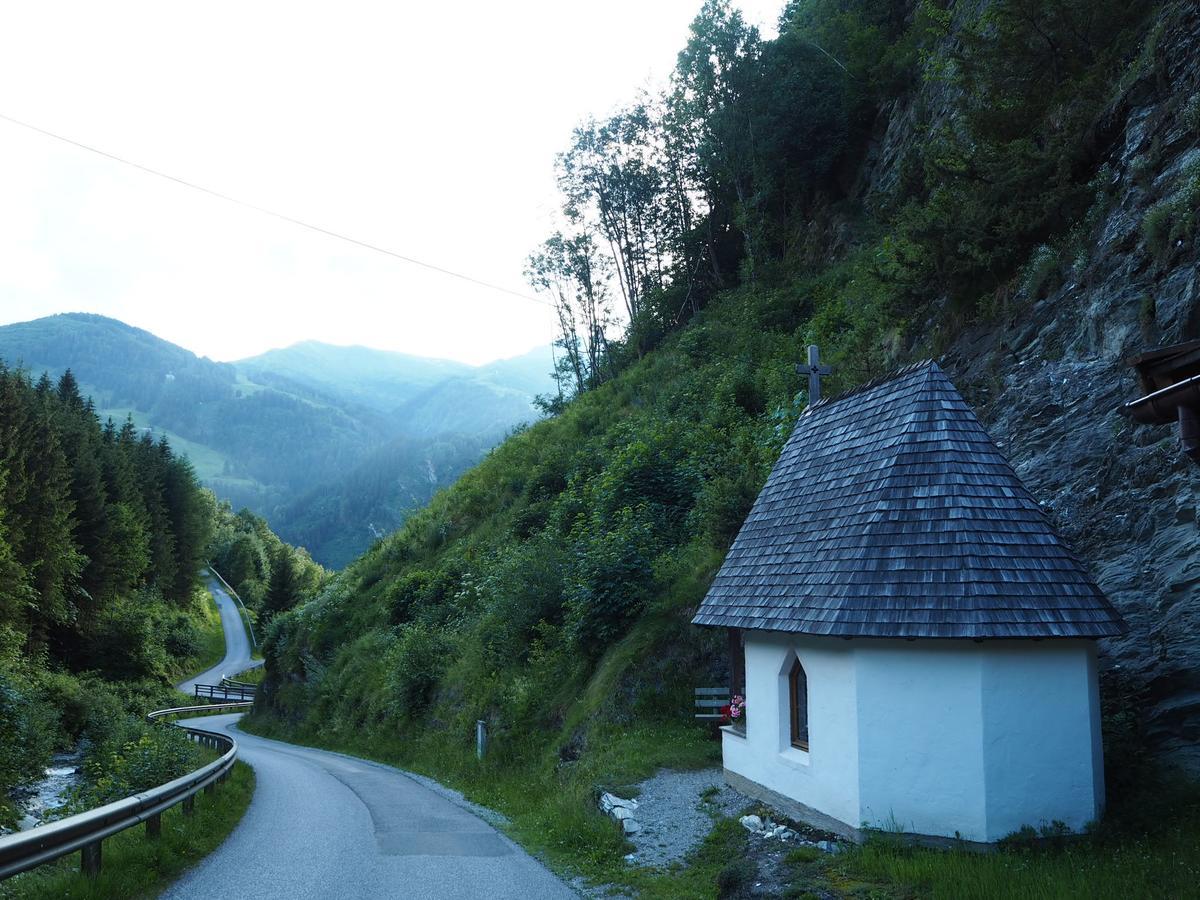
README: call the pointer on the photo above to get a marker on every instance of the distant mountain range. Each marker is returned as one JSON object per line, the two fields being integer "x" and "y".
{"x": 333, "y": 445}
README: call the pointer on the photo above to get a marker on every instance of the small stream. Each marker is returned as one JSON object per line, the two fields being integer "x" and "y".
{"x": 42, "y": 798}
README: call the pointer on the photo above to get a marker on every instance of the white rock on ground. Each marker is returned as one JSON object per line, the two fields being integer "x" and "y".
{"x": 609, "y": 802}
{"x": 621, "y": 810}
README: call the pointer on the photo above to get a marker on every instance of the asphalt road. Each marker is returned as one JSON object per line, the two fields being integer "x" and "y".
{"x": 323, "y": 825}
{"x": 237, "y": 643}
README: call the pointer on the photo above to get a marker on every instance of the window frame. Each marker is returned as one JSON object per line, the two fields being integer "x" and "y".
{"x": 797, "y": 680}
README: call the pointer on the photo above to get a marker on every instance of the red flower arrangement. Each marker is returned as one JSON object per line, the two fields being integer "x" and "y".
{"x": 735, "y": 709}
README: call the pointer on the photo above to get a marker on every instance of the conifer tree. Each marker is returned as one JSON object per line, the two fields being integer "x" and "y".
{"x": 151, "y": 478}
{"x": 48, "y": 550}
{"x": 15, "y": 593}
{"x": 81, "y": 444}
{"x": 191, "y": 521}
{"x": 127, "y": 556}
{"x": 282, "y": 590}
{"x": 68, "y": 391}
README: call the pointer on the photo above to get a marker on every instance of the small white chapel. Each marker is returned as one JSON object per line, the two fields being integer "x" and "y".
{"x": 915, "y": 643}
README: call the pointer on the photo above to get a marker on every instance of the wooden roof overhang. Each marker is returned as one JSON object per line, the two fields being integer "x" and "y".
{"x": 1170, "y": 380}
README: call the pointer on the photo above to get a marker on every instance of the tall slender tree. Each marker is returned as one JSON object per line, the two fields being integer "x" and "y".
{"x": 283, "y": 591}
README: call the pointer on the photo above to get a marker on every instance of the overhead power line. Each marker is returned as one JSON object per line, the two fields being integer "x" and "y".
{"x": 277, "y": 215}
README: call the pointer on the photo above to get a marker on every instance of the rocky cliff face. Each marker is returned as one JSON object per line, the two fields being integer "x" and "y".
{"x": 1049, "y": 377}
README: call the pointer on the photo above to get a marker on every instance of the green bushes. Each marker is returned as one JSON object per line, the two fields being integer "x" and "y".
{"x": 134, "y": 756}
{"x": 123, "y": 642}
{"x": 26, "y": 742}
{"x": 610, "y": 580}
{"x": 1174, "y": 219}
{"x": 736, "y": 877}
{"x": 42, "y": 713}
{"x": 1013, "y": 172}
{"x": 416, "y": 664}
{"x": 180, "y": 637}
{"x": 1043, "y": 266}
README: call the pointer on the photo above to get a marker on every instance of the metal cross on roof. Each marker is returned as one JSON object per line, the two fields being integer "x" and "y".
{"x": 814, "y": 370}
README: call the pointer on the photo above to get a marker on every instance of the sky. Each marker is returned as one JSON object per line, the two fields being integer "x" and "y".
{"x": 429, "y": 129}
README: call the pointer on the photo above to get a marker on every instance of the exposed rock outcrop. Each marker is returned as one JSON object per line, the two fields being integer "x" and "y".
{"x": 1048, "y": 381}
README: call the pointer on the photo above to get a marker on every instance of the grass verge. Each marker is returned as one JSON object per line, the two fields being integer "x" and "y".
{"x": 1148, "y": 846}
{"x": 250, "y": 676}
{"x": 134, "y": 866}
{"x": 212, "y": 647}
{"x": 244, "y": 615}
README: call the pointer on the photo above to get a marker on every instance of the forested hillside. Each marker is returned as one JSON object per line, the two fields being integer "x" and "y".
{"x": 269, "y": 575}
{"x": 104, "y": 532}
{"x": 1009, "y": 186}
{"x": 371, "y": 432}
{"x": 102, "y": 535}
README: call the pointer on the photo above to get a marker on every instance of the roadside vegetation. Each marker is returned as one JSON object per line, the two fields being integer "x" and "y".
{"x": 135, "y": 867}
{"x": 210, "y": 640}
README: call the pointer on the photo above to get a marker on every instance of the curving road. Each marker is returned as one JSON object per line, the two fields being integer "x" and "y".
{"x": 323, "y": 825}
{"x": 237, "y": 644}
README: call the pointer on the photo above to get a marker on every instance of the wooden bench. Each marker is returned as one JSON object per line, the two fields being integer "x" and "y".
{"x": 710, "y": 700}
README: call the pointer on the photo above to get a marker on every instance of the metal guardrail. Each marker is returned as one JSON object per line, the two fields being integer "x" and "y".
{"x": 246, "y": 685}
{"x": 86, "y": 831}
{"x": 225, "y": 691}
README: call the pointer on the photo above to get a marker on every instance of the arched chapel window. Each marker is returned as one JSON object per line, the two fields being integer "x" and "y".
{"x": 798, "y": 701}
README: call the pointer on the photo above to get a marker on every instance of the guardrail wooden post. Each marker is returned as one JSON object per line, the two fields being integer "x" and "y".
{"x": 154, "y": 826}
{"x": 189, "y": 805}
{"x": 89, "y": 859}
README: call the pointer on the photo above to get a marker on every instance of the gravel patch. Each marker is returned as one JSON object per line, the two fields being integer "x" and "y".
{"x": 677, "y": 810}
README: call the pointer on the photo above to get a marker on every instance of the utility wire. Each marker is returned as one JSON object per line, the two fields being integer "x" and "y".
{"x": 278, "y": 215}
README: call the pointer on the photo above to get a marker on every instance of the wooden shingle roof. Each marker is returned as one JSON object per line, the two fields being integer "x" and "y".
{"x": 891, "y": 513}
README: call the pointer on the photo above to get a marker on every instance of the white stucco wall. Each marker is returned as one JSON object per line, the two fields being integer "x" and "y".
{"x": 920, "y": 734}
{"x": 1041, "y": 736}
{"x": 825, "y": 778}
{"x": 946, "y": 738}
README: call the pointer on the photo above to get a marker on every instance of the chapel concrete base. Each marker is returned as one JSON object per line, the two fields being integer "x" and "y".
{"x": 793, "y": 809}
